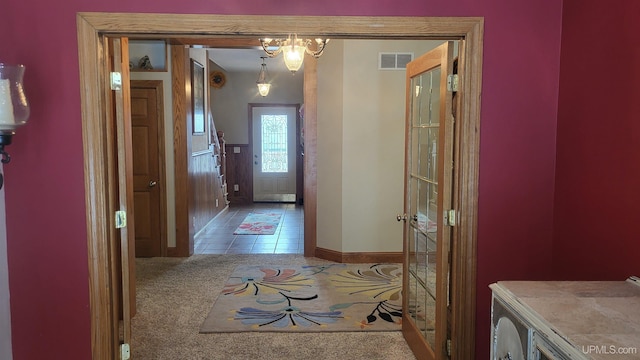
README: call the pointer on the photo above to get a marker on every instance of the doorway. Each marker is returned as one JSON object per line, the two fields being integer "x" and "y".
{"x": 94, "y": 28}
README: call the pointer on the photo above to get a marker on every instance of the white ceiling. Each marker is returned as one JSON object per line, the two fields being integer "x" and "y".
{"x": 245, "y": 60}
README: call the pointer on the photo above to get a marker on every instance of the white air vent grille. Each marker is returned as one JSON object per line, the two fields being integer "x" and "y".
{"x": 394, "y": 61}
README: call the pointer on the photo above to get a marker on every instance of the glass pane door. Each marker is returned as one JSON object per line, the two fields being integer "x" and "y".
{"x": 428, "y": 194}
{"x": 274, "y": 155}
{"x": 423, "y": 198}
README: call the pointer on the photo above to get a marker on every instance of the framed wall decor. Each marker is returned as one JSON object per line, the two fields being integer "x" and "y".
{"x": 197, "y": 97}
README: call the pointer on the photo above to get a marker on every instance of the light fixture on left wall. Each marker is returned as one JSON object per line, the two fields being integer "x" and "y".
{"x": 14, "y": 108}
{"x": 263, "y": 84}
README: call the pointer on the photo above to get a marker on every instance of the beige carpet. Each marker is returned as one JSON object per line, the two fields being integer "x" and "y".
{"x": 174, "y": 295}
{"x": 309, "y": 298}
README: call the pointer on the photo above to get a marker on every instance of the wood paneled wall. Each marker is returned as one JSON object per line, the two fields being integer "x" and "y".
{"x": 206, "y": 197}
{"x": 239, "y": 172}
{"x": 198, "y": 183}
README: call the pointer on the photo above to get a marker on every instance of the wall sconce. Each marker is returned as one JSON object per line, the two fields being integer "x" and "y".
{"x": 293, "y": 49}
{"x": 263, "y": 85}
{"x": 14, "y": 108}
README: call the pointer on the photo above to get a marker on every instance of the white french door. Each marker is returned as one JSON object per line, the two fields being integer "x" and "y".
{"x": 274, "y": 153}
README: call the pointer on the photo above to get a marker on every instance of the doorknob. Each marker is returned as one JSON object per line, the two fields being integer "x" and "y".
{"x": 152, "y": 183}
{"x": 402, "y": 217}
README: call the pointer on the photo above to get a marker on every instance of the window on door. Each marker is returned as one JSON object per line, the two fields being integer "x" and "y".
{"x": 275, "y": 153}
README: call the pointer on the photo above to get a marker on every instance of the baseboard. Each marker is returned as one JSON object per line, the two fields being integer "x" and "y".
{"x": 359, "y": 257}
{"x": 226, "y": 208}
{"x": 172, "y": 251}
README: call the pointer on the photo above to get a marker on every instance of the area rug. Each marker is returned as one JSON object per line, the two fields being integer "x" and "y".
{"x": 310, "y": 298}
{"x": 259, "y": 224}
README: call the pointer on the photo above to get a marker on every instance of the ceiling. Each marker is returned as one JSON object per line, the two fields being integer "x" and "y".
{"x": 232, "y": 60}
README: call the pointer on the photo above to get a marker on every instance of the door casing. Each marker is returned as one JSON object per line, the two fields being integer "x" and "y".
{"x": 93, "y": 28}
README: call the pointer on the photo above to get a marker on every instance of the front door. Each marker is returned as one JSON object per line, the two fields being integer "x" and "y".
{"x": 274, "y": 153}
{"x": 428, "y": 197}
{"x": 147, "y": 134}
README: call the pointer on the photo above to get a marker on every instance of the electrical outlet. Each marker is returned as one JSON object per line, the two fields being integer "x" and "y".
{"x": 216, "y": 202}
{"x": 236, "y": 187}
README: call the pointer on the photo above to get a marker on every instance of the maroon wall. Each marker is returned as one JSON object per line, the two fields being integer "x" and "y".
{"x": 44, "y": 183}
{"x": 597, "y": 196}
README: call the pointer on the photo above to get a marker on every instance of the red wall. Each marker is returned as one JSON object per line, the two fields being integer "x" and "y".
{"x": 44, "y": 182}
{"x": 597, "y": 200}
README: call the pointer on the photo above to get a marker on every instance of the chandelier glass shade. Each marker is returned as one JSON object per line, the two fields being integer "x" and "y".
{"x": 14, "y": 107}
{"x": 293, "y": 49}
{"x": 263, "y": 85}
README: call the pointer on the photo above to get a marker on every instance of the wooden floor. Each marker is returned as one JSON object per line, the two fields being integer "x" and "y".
{"x": 218, "y": 238}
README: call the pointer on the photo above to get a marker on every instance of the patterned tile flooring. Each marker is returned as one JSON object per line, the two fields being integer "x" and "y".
{"x": 218, "y": 238}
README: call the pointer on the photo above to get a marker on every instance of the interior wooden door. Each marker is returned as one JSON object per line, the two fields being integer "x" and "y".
{"x": 123, "y": 275}
{"x": 428, "y": 199}
{"x": 147, "y": 174}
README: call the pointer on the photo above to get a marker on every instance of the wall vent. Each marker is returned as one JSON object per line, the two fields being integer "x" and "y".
{"x": 394, "y": 61}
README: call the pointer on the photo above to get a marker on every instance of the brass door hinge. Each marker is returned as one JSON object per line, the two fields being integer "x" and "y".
{"x": 121, "y": 219}
{"x": 450, "y": 217}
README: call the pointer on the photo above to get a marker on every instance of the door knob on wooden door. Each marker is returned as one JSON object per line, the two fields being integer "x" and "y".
{"x": 152, "y": 183}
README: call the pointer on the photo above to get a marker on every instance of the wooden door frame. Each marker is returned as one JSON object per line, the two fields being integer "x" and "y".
{"x": 299, "y": 169}
{"x": 92, "y": 28}
{"x": 157, "y": 85}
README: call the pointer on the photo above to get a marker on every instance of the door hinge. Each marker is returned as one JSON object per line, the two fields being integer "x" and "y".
{"x": 121, "y": 219}
{"x": 452, "y": 82}
{"x": 116, "y": 81}
{"x": 449, "y": 347}
{"x": 125, "y": 352}
{"x": 450, "y": 217}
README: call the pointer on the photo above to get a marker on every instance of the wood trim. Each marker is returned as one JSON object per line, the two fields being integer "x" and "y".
{"x": 238, "y": 43}
{"x": 125, "y": 275}
{"x": 172, "y": 251}
{"x": 358, "y": 257}
{"x": 467, "y": 156}
{"x": 92, "y": 27}
{"x": 415, "y": 342}
{"x": 98, "y": 164}
{"x": 180, "y": 80}
{"x": 310, "y": 185}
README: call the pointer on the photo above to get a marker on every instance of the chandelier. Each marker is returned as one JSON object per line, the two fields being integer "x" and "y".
{"x": 293, "y": 49}
{"x": 263, "y": 85}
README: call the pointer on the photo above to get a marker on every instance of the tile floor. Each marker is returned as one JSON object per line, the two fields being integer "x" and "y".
{"x": 218, "y": 238}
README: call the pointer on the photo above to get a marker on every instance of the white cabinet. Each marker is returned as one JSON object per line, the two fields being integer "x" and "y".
{"x": 538, "y": 320}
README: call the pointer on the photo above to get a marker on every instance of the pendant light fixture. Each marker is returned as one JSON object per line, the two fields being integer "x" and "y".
{"x": 263, "y": 85}
{"x": 293, "y": 49}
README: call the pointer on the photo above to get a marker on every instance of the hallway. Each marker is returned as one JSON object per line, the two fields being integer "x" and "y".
{"x": 218, "y": 238}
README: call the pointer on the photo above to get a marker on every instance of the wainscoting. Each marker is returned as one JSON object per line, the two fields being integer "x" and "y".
{"x": 240, "y": 173}
{"x": 207, "y": 192}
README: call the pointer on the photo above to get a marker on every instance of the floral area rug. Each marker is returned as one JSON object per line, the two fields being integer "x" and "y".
{"x": 259, "y": 224}
{"x": 331, "y": 297}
